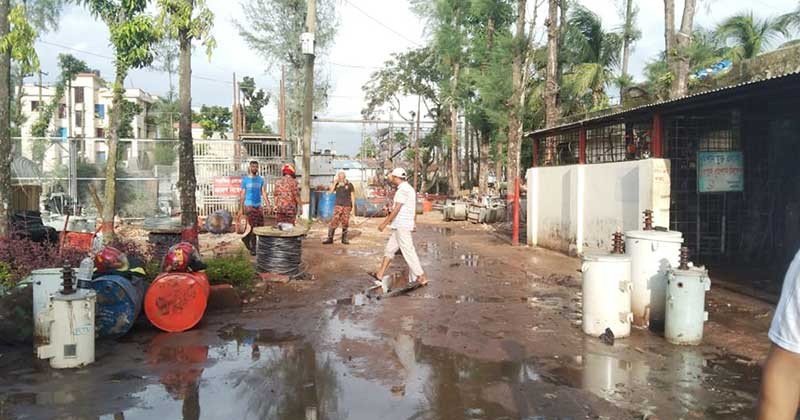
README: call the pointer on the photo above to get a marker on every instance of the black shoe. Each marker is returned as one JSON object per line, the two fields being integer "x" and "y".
{"x": 344, "y": 238}
{"x": 330, "y": 237}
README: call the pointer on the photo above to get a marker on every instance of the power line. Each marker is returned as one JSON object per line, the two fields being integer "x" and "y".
{"x": 353, "y": 66}
{"x": 390, "y": 29}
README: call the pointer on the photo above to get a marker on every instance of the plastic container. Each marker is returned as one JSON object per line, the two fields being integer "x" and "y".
{"x": 427, "y": 206}
{"x": 71, "y": 325}
{"x": 652, "y": 254}
{"x": 325, "y": 206}
{"x": 685, "y": 306}
{"x": 176, "y": 302}
{"x": 119, "y": 303}
{"x": 607, "y": 294}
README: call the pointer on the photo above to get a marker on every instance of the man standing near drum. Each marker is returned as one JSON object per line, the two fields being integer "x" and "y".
{"x": 344, "y": 204}
{"x": 254, "y": 190}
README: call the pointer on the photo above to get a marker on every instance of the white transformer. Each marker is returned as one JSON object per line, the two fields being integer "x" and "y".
{"x": 607, "y": 294}
{"x": 71, "y": 329}
{"x": 685, "y": 312}
{"x": 652, "y": 254}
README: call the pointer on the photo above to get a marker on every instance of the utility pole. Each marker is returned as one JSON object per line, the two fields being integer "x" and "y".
{"x": 307, "y": 39}
{"x": 235, "y": 110}
{"x": 416, "y": 145}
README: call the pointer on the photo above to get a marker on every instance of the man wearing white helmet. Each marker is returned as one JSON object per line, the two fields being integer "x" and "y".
{"x": 402, "y": 222}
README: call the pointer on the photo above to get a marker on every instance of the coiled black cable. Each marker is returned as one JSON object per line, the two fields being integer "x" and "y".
{"x": 280, "y": 255}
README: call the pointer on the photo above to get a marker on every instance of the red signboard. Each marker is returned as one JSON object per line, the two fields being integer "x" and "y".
{"x": 227, "y": 185}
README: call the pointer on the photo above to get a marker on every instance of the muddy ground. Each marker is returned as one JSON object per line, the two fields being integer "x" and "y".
{"x": 496, "y": 335}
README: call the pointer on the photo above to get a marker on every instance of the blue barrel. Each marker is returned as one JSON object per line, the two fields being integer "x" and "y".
{"x": 119, "y": 302}
{"x": 325, "y": 206}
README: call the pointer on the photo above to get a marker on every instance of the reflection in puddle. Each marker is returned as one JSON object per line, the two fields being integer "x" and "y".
{"x": 444, "y": 231}
{"x": 469, "y": 260}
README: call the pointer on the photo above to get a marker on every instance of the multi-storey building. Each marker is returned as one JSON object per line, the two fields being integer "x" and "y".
{"x": 83, "y": 113}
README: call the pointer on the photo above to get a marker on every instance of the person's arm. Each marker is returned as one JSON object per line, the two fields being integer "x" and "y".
{"x": 333, "y": 185}
{"x": 353, "y": 199}
{"x": 391, "y": 216}
{"x": 241, "y": 197}
{"x": 780, "y": 385}
{"x": 265, "y": 196}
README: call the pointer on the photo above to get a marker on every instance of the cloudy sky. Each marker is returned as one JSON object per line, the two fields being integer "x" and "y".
{"x": 369, "y": 31}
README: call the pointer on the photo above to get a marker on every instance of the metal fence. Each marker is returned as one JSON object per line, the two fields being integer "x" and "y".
{"x": 147, "y": 172}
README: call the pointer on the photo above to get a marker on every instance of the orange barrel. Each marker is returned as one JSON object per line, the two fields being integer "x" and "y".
{"x": 427, "y": 205}
{"x": 176, "y": 302}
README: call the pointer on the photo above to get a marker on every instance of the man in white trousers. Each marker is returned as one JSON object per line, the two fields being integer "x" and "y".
{"x": 401, "y": 220}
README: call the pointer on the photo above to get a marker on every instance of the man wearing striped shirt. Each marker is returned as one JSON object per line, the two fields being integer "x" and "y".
{"x": 402, "y": 222}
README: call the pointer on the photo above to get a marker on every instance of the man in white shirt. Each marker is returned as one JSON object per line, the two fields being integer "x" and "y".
{"x": 402, "y": 221}
{"x": 780, "y": 383}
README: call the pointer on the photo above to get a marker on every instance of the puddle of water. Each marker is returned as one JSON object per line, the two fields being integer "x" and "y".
{"x": 444, "y": 231}
{"x": 355, "y": 252}
{"x": 470, "y": 260}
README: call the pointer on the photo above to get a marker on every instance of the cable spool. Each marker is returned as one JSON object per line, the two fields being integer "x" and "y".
{"x": 280, "y": 252}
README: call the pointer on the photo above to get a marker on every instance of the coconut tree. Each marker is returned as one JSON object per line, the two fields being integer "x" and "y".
{"x": 593, "y": 55}
{"x": 750, "y": 36}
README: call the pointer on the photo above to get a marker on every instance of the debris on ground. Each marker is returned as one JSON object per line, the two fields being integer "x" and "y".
{"x": 607, "y": 337}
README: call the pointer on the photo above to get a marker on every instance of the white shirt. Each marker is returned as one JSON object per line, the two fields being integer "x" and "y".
{"x": 785, "y": 329}
{"x": 406, "y": 196}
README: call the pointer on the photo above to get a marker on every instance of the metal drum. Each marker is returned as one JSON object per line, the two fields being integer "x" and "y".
{"x": 176, "y": 302}
{"x": 607, "y": 294}
{"x": 685, "y": 312}
{"x": 652, "y": 254}
{"x": 119, "y": 302}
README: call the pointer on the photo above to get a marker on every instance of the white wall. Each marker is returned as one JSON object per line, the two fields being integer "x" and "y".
{"x": 577, "y": 208}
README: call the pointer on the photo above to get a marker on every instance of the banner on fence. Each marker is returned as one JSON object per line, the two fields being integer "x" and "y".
{"x": 227, "y": 185}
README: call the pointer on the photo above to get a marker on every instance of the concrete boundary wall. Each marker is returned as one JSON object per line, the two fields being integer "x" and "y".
{"x": 576, "y": 208}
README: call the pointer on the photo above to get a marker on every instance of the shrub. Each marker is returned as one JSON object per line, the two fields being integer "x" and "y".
{"x": 235, "y": 270}
{"x": 21, "y": 256}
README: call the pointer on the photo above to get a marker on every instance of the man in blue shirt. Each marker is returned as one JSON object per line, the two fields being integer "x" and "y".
{"x": 254, "y": 189}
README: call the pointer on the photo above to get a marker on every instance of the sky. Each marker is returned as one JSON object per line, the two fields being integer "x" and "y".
{"x": 369, "y": 32}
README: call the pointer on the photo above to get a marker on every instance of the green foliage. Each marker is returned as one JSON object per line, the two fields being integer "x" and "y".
{"x": 129, "y": 111}
{"x": 165, "y": 153}
{"x": 255, "y": 101}
{"x": 166, "y": 54}
{"x": 214, "y": 119}
{"x": 414, "y": 72}
{"x": 750, "y": 36}
{"x": 368, "y": 149}
{"x": 235, "y": 270}
{"x": 69, "y": 67}
{"x": 187, "y": 18}
{"x": 6, "y": 279}
{"x": 19, "y": 42}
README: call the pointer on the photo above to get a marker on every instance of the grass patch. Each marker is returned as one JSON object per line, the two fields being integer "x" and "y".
{"x": 236, "y": 270}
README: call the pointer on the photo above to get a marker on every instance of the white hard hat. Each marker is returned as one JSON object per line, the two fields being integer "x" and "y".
{"x": 399, "y": 172}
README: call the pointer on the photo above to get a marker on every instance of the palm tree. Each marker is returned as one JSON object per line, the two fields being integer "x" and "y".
{"x": 593, "y": 54}
{"x": 749, "y": 35}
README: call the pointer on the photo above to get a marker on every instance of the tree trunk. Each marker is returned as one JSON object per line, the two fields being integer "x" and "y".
{"x": 551, "y": 112}
{"x": 517, "y": 91}
{"x": 498, "y": 164}
{"x": 187, "y": 183}
{"x": 5, "y": 132}
{"x": 455, "y": 183}
{"x": 483, "y": 162}
{"x": 683, "y": 39}
{"x": 626, "y": 46}
{"x": 109, "y": 205}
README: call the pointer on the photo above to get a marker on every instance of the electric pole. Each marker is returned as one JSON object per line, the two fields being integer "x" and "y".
{"x": 416, "y": 145}
{"x": 307, "y": 39}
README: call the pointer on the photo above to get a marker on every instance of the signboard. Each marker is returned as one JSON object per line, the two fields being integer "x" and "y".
{"x": 227, "y": 186}
{"x": 720, "y": 172}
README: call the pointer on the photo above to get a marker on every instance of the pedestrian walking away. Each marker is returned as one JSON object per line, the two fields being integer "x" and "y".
{"x": 252, "y": 198}
{"x": 345, "y": 197}
{"x": 780, "y": 384}
{"x": 287, "y": 196}
{"x": 402, "y": 221}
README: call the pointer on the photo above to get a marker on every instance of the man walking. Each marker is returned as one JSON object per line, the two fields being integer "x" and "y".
{"x": 250, "y": 202}
{"x": 780, "y": 385}
{"x": 402, "y": 222}
{"x": 345, "y": 197}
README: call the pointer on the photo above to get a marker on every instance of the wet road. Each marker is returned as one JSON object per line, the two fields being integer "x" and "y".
{"x": 496, "y": 336}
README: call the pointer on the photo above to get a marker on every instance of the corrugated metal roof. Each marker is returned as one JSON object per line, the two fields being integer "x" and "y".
{"x": 24, "y": 170}
{"x": 667, "y": 102}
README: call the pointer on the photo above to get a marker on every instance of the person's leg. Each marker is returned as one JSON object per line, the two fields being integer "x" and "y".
{"x": 410, "y": 255}
{"x": 780, "y": 385}
{"x": 392, "y": 245}
{"x": 345, "y": 220}
{"x": 335, "y": 220}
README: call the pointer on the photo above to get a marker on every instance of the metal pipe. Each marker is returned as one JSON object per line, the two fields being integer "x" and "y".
{"x": 515, "y": 231}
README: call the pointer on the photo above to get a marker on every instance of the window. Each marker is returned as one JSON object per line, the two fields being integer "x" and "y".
{"x": 100, "y": 111}
{"x": 100, "y": 133}
{"x": 78, "y": 95}
{"x": 78, "y": 118}
{"x": 34, "y": 105}
{"x": 99, "y": 157}
{"x": 62, "y": 111}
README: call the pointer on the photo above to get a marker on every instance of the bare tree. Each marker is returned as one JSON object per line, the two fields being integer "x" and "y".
{"x": 677, "y": 43}
{"x": 551, "y": 112}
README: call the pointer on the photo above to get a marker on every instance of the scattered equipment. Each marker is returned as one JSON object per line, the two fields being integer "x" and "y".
{"x": 653, "y": 253}
{"x": 607, "y": 292}
{"x": 685, "y": 306}
{"x": 70, "y": 320}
